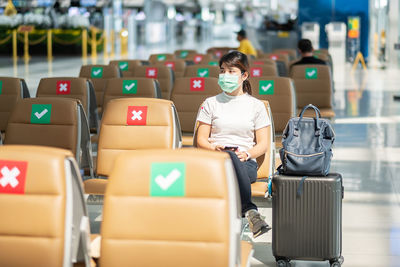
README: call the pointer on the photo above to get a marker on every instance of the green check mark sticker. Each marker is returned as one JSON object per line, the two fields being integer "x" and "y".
{"x": 41, "y": 114}
{"x": 202, "y": 72}
{"x": 311, "y": 73}
{"x": 184, "y": 54}
{"x": 168, "y": 179}
{"x": 161, "y": 57}
{"x": 213, "y": 63}
{"x": 1, "y": 87}
{"x": 97, "y": 72}
{"x": 266, "y": 87}
{"x": 123, "y": 65}
{"x": 129, "y": 87}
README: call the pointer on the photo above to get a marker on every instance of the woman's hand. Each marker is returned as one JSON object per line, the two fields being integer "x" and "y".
{"x": 219, "y": 148}
{"x": 241, "y": 155}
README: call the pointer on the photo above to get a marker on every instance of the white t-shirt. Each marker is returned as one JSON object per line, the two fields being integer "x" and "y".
{"x": 233, "y": 119}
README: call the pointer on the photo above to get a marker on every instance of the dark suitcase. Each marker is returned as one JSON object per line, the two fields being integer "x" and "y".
{"x": 307, "y": 220}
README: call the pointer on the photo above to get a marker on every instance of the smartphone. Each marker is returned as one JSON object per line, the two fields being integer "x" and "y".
{"x": 232, "y": 148}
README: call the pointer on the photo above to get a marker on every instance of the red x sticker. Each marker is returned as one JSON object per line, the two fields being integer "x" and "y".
{"x": 218, "y": 54}
{"x": 151, "y": 72}
{"x": 197, "y": 84}
{"x": 12, "y": 176}
{"x": 137, "y": 115}
{"x": 63, "y": 87}
{"x": 170, "y": 64}
{"x": 256, "y": 72}
{"x": 198, "y": 58}
{"x": 273, "y": 57}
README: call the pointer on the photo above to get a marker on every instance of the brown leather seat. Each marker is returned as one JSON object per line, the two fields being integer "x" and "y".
{"x": 291, "y": 52}
{"x": 133, "y": 124}
{"x": 54, "y": 122}
{"x": 184, "y": 53}
{"x": 263, "y": 61}
{"x": 178, "y": 66}
{"x": 126, "y": 66}
{"x": 197, "y": 58}
{"x": 163, "y": 74}
{"x": 188, "y": 94}
{"x": 154, "y": 58}
{"x": 313, "y": 85}
{"x": 71, "y": 87}
{"x": 131, "y": 87}
{"x": 263, "y": 70}
{"x": 43, "y": 214}
{"x": 202, "y": 71}
{"x": 99, "y": 75}
{"x": 11, "y": 90}
{"x": 281, "y": 96}
{"x": 183, "y": 204}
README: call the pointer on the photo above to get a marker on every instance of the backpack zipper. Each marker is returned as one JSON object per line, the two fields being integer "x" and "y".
{"x": 310, "y": 155}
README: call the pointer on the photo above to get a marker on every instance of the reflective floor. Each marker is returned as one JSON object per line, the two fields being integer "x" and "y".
{"x": 366, "y": 153}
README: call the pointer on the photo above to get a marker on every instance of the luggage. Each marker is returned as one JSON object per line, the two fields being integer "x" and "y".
{"x": 307, "y": 218}
{"x": 307, "y": 145}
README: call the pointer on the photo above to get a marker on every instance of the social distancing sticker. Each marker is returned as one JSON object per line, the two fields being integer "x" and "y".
{"x": 170, "y": 64}
{"x": 198, "y": 58}
{"x": 266, "y": 87}
{"x": 41, "y": 114}
{"x": 311, "y": 73}
{"x": 168, "y": 179}
{"x": 184, "y": 54}
{"x": 1, "y": 87}
{"x": 161, "y": 57}
{"x": 151, "y": 73}
{"x": 213, "y": 63}
{"x": 13, "y": 176}
{"x": 123, "y": 65}
{"x": 63, "y": 87}
{"x": 137, "y": 115}
{"x": 197, "y": 84}
{"x": 129, "y": 87}
{"x": 256, "y": 72}
{"x": 203, "y": 72}
{"x": 97, "y": 72}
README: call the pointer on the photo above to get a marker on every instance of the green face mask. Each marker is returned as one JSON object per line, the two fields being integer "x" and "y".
{"x": 228, "y": 82}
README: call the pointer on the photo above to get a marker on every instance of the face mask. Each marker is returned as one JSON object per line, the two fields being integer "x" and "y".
{"x": 228, "y": 82}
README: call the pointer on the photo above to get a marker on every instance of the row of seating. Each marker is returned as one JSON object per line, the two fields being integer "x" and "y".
{"x": 203, "y": 195}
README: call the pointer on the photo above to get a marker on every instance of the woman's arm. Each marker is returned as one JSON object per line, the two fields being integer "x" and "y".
{"x": 203, "y": 132}
{"x": 261, "y": 147}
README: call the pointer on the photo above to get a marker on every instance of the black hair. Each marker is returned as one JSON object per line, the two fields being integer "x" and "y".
{"x": 305, "y": 46}
{"x": 240, "y": 61}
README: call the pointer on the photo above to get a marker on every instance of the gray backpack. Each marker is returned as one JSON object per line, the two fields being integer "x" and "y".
{"x": 307, "y": 145}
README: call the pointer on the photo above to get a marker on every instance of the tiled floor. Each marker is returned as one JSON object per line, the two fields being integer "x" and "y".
{"x": 366, "y": 153}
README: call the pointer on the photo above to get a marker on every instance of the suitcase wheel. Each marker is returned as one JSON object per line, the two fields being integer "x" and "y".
{"x": 337, "y": 262}
{"x": 283, "y": 263}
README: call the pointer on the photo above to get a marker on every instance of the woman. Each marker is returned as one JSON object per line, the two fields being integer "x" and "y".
{"x": 229, "y": 122}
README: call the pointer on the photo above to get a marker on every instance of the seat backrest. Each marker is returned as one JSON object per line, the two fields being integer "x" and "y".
{"x": 188, "y": 94}
{"x": 99, "y": 75}
{"x": 263, "y": 61}
{"x": 197, "y": 58}
{"x": 134, "y": 124}
{"x": 131, "y": 87}
{"x": 184, "y": 53}
{"x": 163, "y": 74}
{"x": 11, "y": 90}
{"x": 281, "y": 59}
{"x": 263, "y": 70}
{"x": 218, "y": 52}
{"x": 202, "y": 71}
{"x": 200, "y": 205}
{"x": 126, "y": 66}
{"x": 313, "y": 84}
{"x": 280, "y": 93}
{"x": 43, "y": 208}
{"x": 51, "y": 121}
{"x": 291, "y": 52}
{"x": 178, "y": 66}
{"x": 212, "y": 62}
{"x": 154, "y": 58}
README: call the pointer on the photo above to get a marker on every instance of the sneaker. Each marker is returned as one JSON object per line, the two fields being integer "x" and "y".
{"x": 257, "y": 225}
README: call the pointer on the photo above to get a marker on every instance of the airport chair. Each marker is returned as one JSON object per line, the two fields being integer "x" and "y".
{"x": 212, "y": 62}
{"x": 282, "y": 62}
{"x": 262, "y": 70}
{"x": 188, "y": 94}
{"x": 203, "y": 71}
{"x": 11, "y": 90}
{"x": 184, "y": 53}
{"x": 197, "y": 58}
{"x": 263, "y": 61}
{"x": 291, "y": 52}
{"x": 182, "y": 204}
{"x": 54, "y": 122}
{"x": 133, "y": 124}
{"x": 218, "y": 52}
{"x": 178, "y": 66}
{"x": 154, "y": 58}
{"x": 131, "y": 87}
{"x": 71, "y": 87}
{"x": 313, "y": 84}
{"x": 44, "y": 220}
{"x": 126, "y": 66}
{"x": 280, "y": 93}
{"x": 99, "y": 75}
{"x": 164, "y": 75}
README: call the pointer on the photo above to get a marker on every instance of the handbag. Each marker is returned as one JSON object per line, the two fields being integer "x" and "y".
{"x": 307, "y": 145}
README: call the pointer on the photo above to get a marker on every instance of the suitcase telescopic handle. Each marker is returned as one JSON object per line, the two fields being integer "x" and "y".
{"x": 317, "y": 117}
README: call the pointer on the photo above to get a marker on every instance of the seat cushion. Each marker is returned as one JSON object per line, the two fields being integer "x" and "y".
{"x": 95, "y": 186}
{"x": 187, "y": 140}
